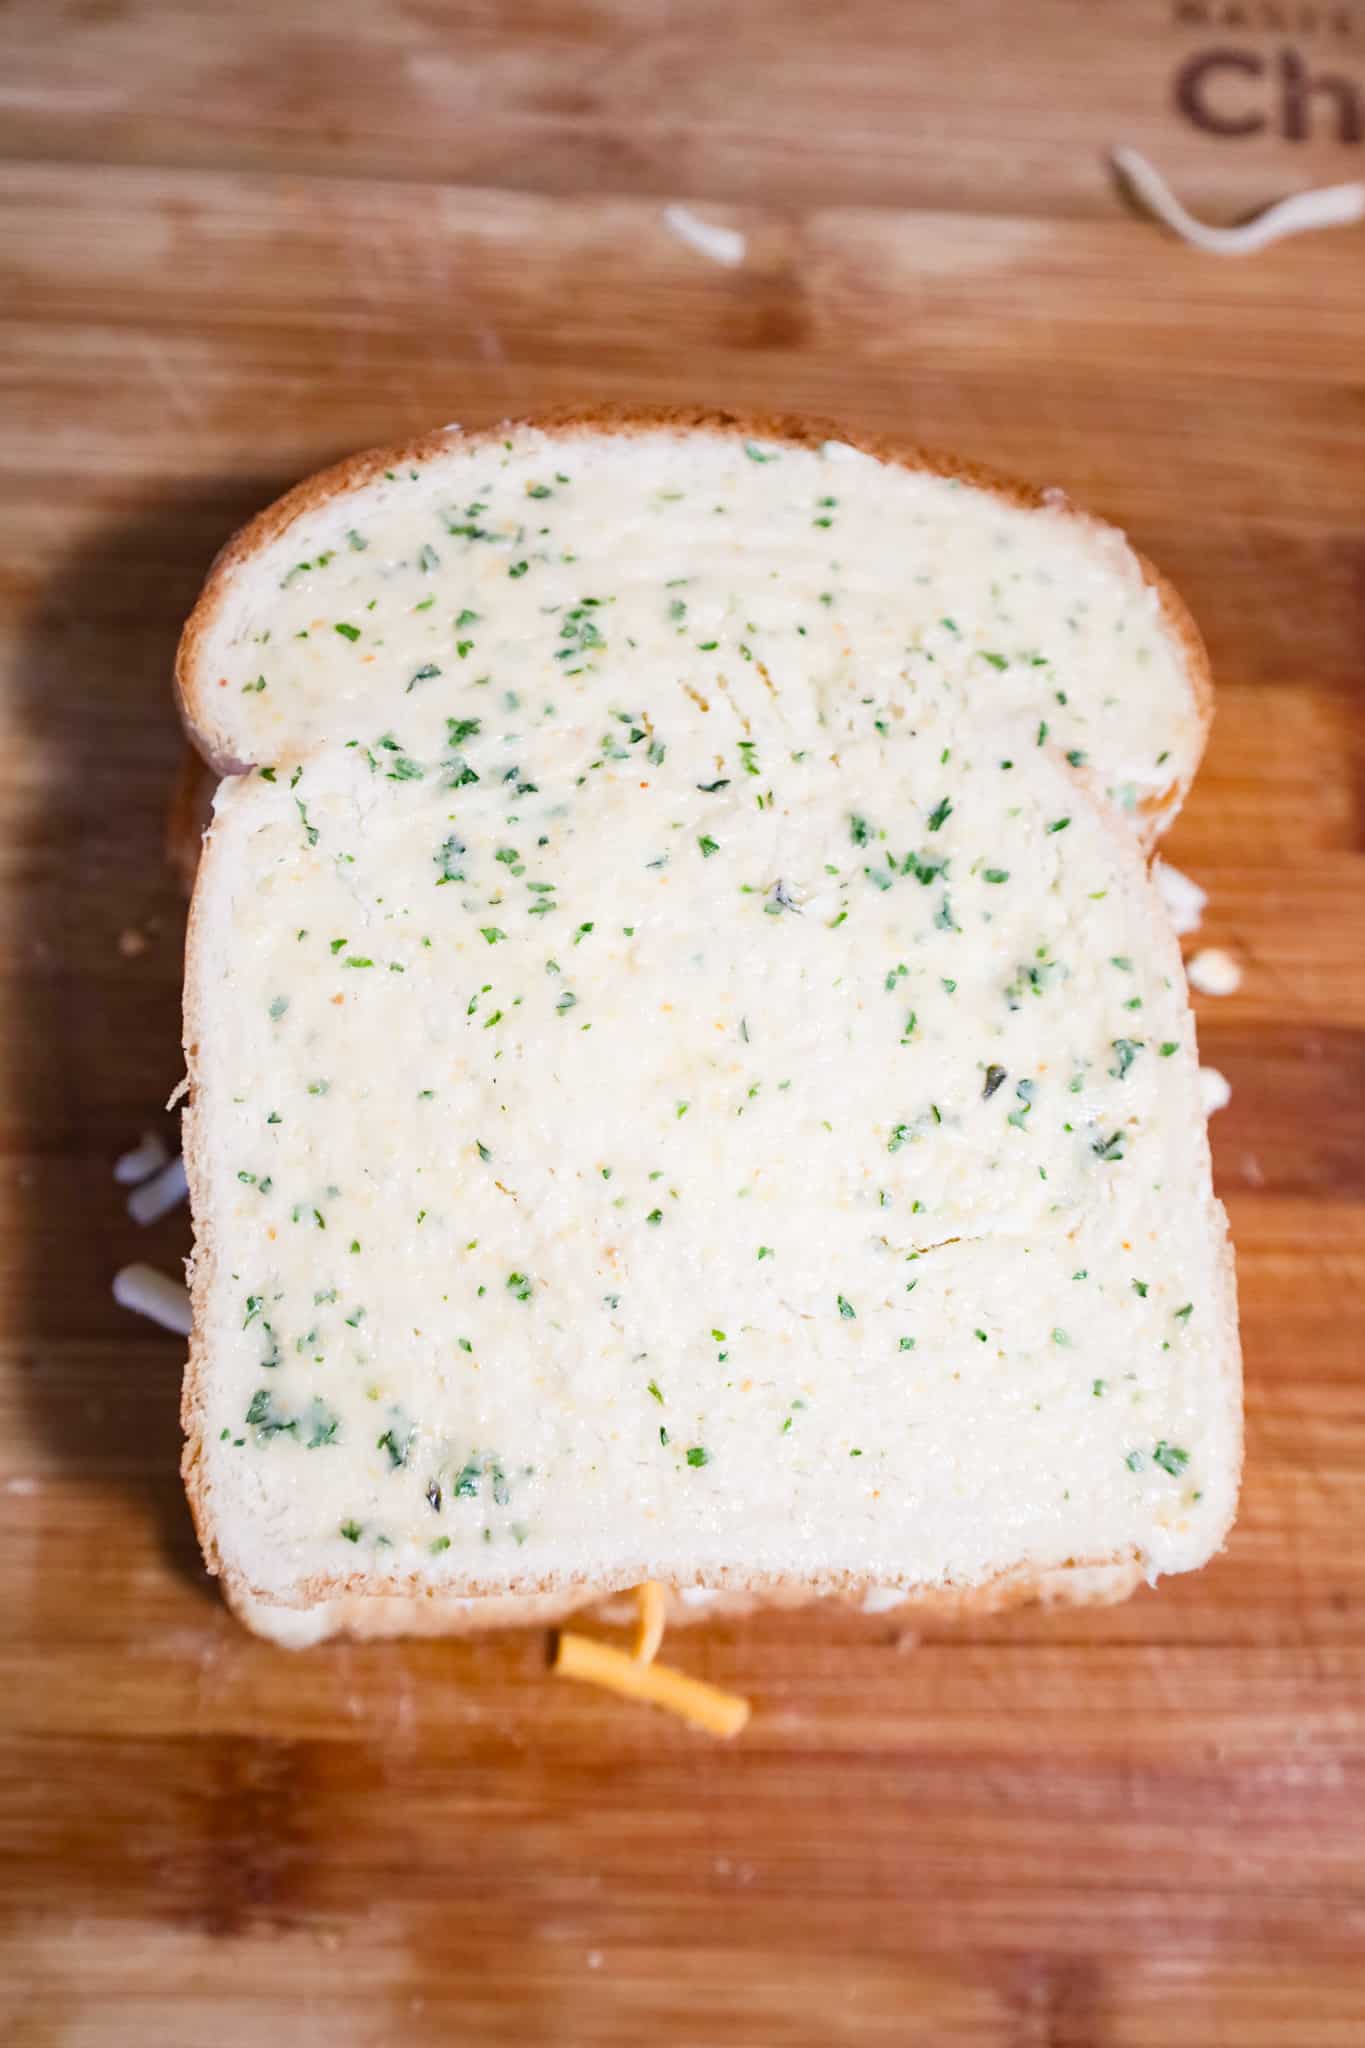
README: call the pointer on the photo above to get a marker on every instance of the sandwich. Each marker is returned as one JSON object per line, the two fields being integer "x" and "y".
{"x": 691, "y": 1084}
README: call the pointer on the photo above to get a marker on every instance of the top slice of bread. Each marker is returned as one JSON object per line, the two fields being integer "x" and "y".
{"x": 690, "y": 1077}
{"x": 1122, "y": 687}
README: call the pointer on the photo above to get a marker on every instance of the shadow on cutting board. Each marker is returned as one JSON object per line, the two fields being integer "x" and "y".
{"x": 98, "y": 917}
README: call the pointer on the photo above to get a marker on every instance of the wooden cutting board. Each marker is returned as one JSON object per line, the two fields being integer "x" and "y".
{"x": 236, "y": 242}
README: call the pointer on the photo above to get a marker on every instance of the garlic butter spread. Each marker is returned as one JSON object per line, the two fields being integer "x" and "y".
{"x": 689, "y": 1084}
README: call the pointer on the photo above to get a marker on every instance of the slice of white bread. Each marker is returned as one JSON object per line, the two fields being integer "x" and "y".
{"x": 690, "y": 1079}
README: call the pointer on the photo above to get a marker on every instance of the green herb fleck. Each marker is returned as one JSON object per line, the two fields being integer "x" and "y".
{"x": 1126, "y": 1050}
{"x": 396, "y": 1446}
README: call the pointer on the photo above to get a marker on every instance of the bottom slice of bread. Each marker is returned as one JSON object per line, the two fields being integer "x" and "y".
{"x": 812, "y": 1196}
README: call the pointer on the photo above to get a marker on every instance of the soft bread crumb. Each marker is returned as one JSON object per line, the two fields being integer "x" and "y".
{"x": 132, "y": 943}
{"x": 1185, "y": 901}
{"x": 1215, "y": 1090}
{"x": 1214, "y": 972}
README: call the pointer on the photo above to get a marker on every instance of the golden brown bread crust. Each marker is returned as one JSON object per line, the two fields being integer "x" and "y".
{"x": 357, "y": 1605}
{"x": 366, "y": 1617}
{"x": 189, "y": 817}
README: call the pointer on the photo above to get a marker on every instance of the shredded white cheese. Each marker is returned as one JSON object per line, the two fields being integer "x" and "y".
{"x": 147, "y": 1157}
{"x": 1215, "y": 1090}
{"x": 881, "y": 1599}
{"x": 158, "y": 1196}
{"x": 155, "y": 1295}
{"x": 1185, "y": 901}
{"x": 1214, "y": 972}
{"x": 722, "y": 245}
{"x": 1329, "y": 206}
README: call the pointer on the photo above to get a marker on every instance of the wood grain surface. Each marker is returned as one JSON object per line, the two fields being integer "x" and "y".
{"x": 236, "y": 242}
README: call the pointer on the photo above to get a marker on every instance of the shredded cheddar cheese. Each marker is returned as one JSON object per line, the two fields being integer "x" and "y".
{"x": 649, "y": 1627}
{"x": 704, "y": 1706}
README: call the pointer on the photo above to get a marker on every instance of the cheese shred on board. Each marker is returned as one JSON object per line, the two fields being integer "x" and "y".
{"x": 704, "y": 1706}
{"x": 649, "y": 1626}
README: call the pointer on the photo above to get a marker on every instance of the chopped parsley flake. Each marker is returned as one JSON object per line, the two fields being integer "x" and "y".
{"x": 1126, "y": 1051}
